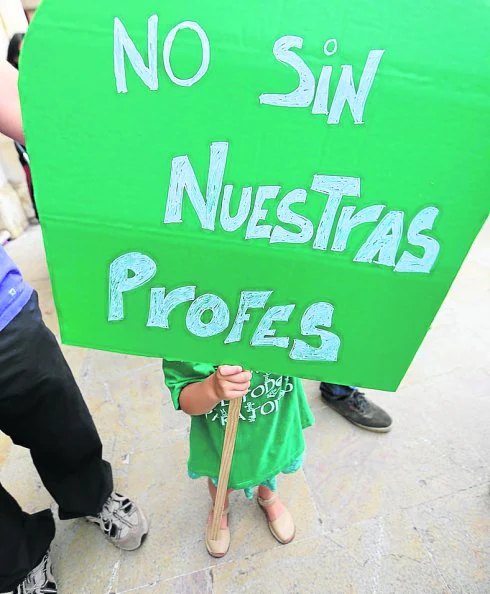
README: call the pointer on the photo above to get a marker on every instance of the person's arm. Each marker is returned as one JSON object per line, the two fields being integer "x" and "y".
{"x": 227, "y": 383}
{"x": 10, "y": 115}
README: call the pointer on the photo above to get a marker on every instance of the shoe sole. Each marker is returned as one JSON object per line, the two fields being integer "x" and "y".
{"x": 373, "y": 429}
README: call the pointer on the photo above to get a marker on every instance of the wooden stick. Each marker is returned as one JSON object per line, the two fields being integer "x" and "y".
{"x": 226, "y": 459}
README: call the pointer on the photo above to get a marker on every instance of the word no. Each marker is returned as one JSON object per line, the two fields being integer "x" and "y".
{"x": 208, "y": 314}
{"x": 149, "y": 74}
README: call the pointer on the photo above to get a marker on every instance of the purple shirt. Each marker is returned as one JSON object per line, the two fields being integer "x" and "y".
{"x": 14, "y": 292}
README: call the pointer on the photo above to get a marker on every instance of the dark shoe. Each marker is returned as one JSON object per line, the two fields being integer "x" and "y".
{"x": 122, "y": 522}
{"x": 357, "y": 409}
{"x": 40, "y": 580}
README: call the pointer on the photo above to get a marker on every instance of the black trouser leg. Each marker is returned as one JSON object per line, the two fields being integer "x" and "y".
{"x": 24, "y": 539}
{"x": 41, "y": 408}
{"x": 335, "y": 391}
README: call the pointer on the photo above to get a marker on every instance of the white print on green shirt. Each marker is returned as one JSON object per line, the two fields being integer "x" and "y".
{"x": 271, "y": 389}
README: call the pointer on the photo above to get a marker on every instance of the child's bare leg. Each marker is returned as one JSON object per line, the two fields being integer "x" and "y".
{"x": 277, "y": 508}
{"x": 212, "y": 491}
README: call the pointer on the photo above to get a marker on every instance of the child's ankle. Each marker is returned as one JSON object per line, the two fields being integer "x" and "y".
{"x": 266, "y": 493}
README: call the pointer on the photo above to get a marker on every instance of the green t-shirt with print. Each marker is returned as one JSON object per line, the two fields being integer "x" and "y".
{"x": 270, "y": 431}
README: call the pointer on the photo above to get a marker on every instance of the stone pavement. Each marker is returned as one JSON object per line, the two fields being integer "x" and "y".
{"x": 407, "y": 512}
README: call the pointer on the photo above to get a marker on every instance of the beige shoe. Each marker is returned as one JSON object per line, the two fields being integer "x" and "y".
{"x": 282, "y": 528}
{"x": 218, "y": 548}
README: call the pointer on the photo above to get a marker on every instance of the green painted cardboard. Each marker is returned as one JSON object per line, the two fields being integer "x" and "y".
{"x": 144, "y": 120}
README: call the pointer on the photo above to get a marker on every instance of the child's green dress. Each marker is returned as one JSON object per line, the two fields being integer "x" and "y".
{"x": 270, "y": 432}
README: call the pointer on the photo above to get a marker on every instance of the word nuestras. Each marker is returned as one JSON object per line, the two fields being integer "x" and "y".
{"x": 209, "y": 315}
{"x": 381, "y": 246}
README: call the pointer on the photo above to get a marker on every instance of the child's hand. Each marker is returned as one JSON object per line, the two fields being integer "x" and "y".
{"x": 230, "y": 382}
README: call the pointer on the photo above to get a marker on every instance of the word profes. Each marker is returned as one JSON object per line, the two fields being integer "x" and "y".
{"x": 306, "y": 93}
{"x": 209, "y": 315}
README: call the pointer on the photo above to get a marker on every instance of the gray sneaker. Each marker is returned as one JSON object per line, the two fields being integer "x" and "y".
{"x": 360, "y": 411}
{"x": 122, "y": 522}
{"x": 40, "y": 580}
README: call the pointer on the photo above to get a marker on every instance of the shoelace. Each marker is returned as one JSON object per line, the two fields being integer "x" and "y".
{"x": 36, "y": 580}
{"x": 114, "y": 516}
{"x": 359, "y": 401}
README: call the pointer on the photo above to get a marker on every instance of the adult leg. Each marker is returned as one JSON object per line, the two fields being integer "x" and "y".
{"x": 335, "y": 391}
{"x": 24, "y": 539}
{"x": 41, "y": 408}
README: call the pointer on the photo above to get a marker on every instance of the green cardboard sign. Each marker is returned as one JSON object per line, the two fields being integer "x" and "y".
{"x": 287, "y": 186}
